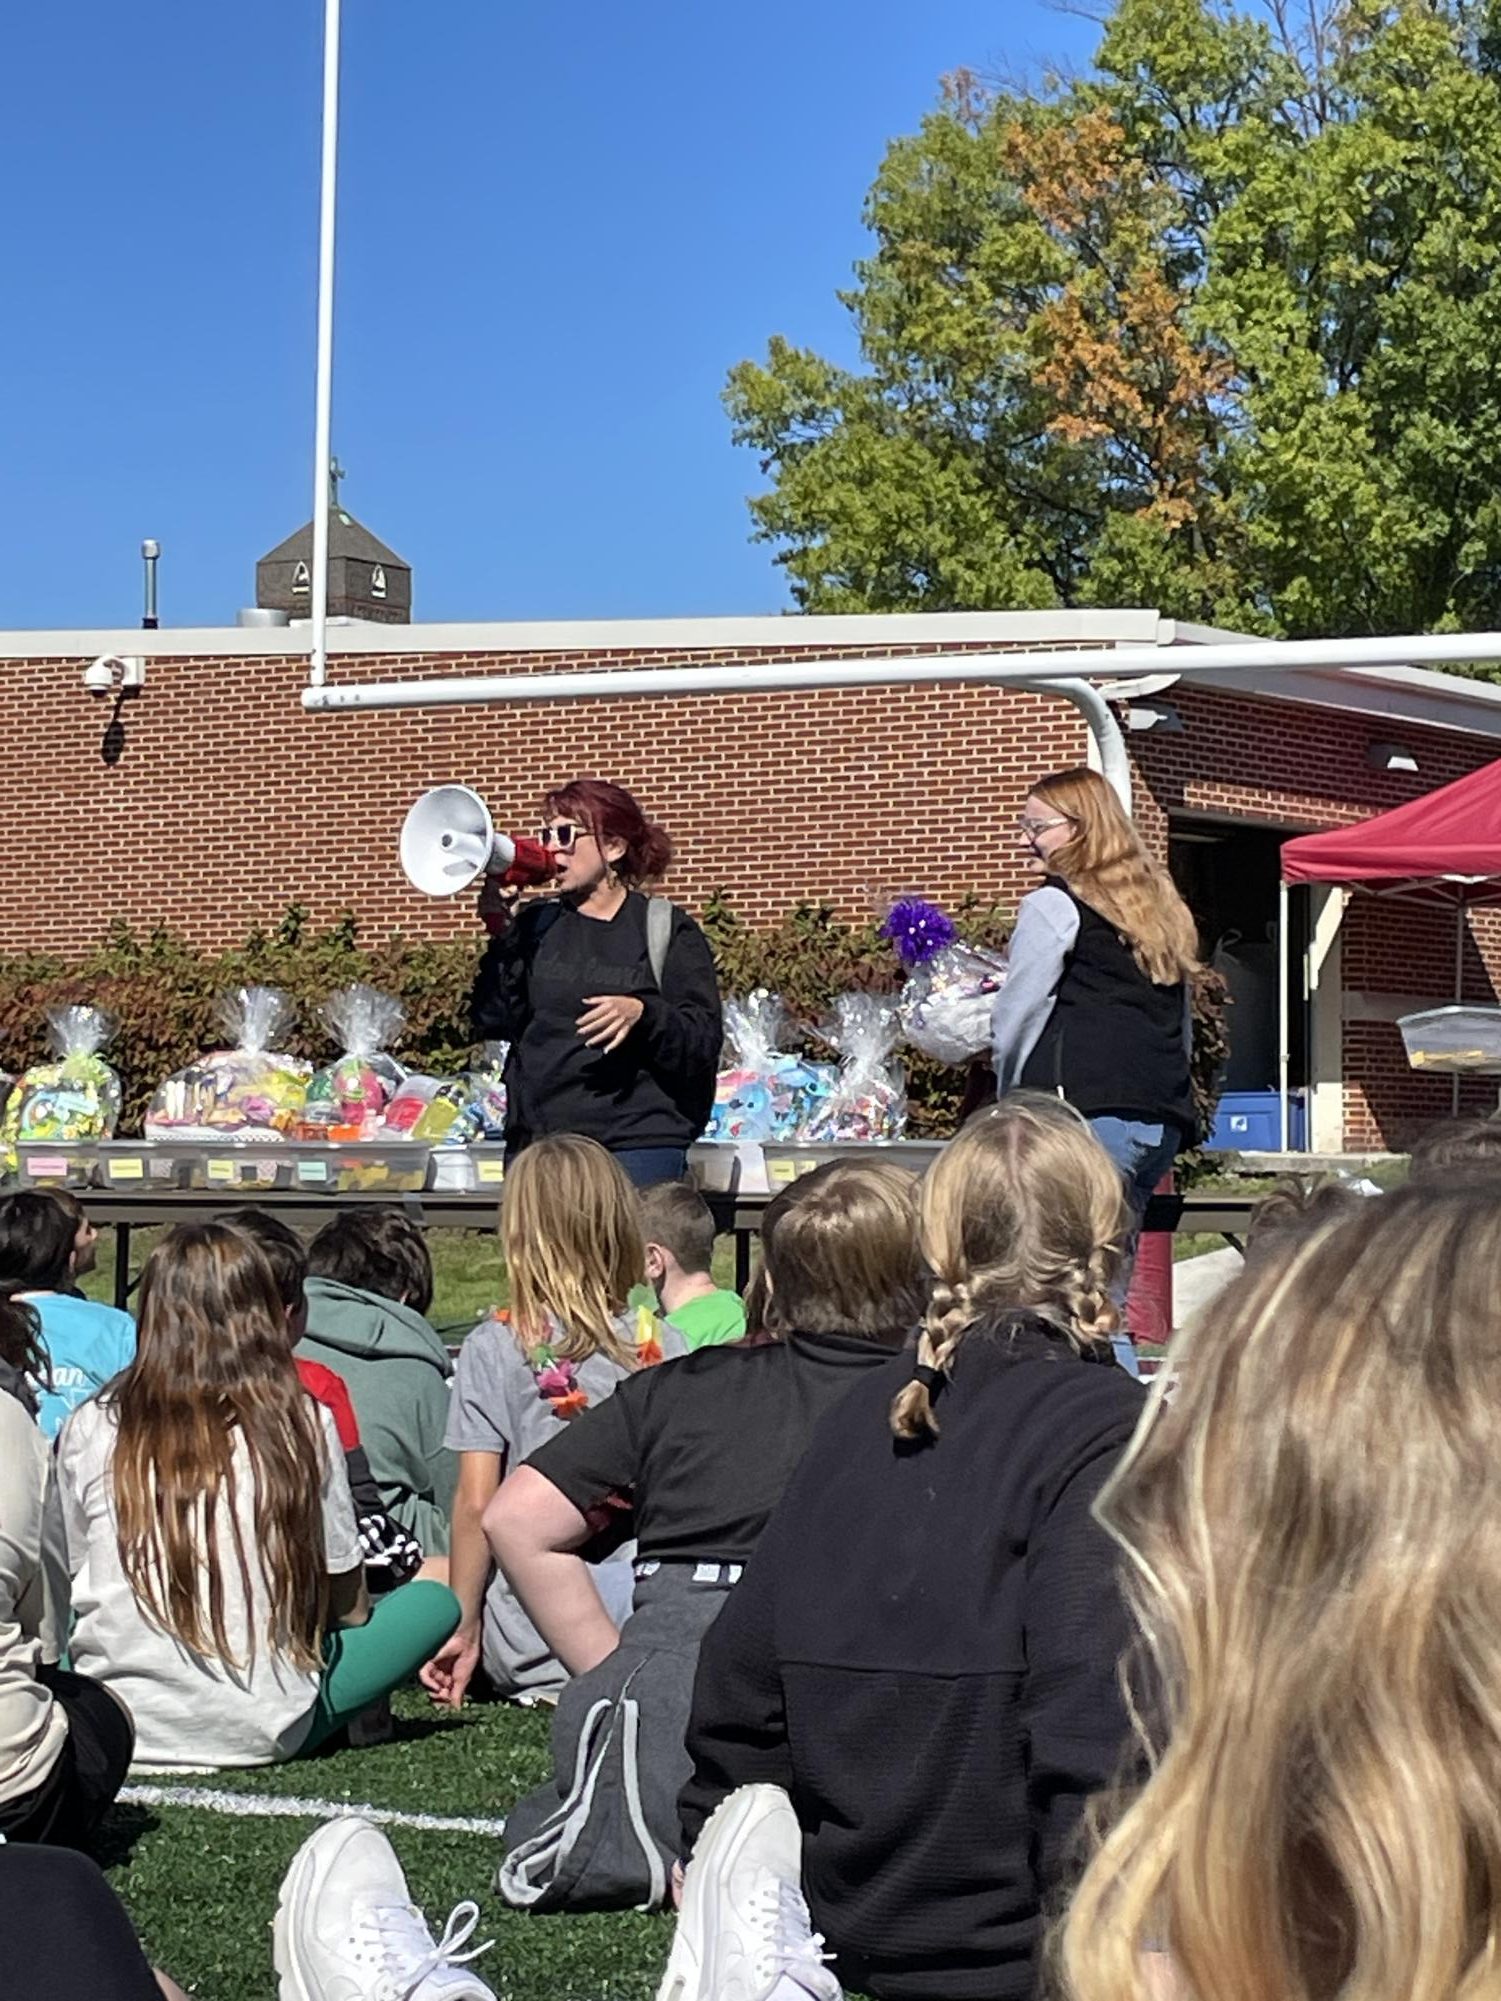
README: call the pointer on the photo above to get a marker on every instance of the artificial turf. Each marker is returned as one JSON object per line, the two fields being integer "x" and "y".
{"x": 201, "y": 1886}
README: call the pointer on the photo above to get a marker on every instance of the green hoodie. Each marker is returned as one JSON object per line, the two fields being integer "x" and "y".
{"x": 396, "y": 1368}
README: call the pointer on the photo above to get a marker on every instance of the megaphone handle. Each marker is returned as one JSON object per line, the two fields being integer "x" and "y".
{"x": 497, "y": 902}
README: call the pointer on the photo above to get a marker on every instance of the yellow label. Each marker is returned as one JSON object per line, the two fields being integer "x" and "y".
{"x": 781, "y": 1172}
{"x": 490, "y": 1171}
{"x": 127, "y": 1170}
{"x": 221, "y": 1170}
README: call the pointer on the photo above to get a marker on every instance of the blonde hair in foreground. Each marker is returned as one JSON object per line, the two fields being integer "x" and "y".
{"x": 571, "y": 1231}
{"x": 214, "y": 1363}
{"x": 1314, "y": 1528}
{"x": 1024, "y": 1213}
{"x": 1106, "y": 864}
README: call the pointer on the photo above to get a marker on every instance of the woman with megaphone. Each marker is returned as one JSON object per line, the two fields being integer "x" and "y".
{"x": 607, "y": 996}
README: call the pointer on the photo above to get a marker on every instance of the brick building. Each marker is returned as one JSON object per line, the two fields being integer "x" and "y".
{"x": 212, "y": 800}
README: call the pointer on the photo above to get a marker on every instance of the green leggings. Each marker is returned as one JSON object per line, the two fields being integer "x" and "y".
{"x": 363, "y": 1663}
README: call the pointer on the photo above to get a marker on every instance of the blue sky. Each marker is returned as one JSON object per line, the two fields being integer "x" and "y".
{"x": 559, "y": 226}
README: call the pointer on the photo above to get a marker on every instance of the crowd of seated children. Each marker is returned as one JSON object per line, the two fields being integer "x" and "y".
{"x": 702, "y": 1448}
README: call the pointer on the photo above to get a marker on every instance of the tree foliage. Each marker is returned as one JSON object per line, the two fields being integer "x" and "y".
{"x": 1215, "y": 328}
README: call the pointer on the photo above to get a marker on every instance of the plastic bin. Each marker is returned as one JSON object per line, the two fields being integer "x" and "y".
{"x": 1251, "y": 1122}
{"x": 488, "y": 1159}
{"x": 125, "y": 1164}
{"x": 1454, "y": 1041}
{"x": 359, "y": 1167}
{"x": 234, "y": 1167}
{"x": 46, "y": 1163}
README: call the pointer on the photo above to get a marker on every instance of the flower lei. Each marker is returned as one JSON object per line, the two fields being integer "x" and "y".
{"x": 558, "y": 1378}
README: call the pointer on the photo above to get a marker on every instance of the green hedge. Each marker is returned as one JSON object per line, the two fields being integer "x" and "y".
{"x": 162, "y": 991}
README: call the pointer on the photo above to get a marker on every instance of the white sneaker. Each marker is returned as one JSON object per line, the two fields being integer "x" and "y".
{"x": 347, "y": 1929}
{"x": 744, "y": 1933}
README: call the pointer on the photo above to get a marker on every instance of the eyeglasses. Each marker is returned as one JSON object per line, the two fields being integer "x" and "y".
{"x": 1032, "y": 828}
{"x": 564, "y": 835}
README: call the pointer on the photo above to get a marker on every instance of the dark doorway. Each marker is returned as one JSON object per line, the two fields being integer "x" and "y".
{"x": 1228, "y": 874}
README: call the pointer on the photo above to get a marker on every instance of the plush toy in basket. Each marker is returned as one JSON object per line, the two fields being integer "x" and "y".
{"x": 946, "y": 1004}
{"x": 765, "y": 1093}
{"x": 348, "y": 1099}
{"x": 75, "y": 1097}
{"x": 869, "y": 1098}
{"x": 251, "y": 1092}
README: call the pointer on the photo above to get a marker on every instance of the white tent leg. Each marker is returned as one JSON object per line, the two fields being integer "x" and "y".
{"x": 1284, "y": 969}
{"x": 1459, "y": 987}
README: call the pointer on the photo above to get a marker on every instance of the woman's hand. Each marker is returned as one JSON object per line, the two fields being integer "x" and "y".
{"x": 608, "y": 1019}
{"x": 447, "y": 1676}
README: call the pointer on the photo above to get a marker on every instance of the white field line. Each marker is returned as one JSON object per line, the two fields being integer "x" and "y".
{"x": 269, "y": 1806}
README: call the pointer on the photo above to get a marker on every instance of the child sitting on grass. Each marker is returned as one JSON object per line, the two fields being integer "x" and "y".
{"x": 218, "y": 1586}
{"x": 85, "y": 1342}
{"x": 678, "y": 1228}
{"x": 370, "y": 1284}
{"x": 392, "y": 1555}
{"x": 568, "y": 1224}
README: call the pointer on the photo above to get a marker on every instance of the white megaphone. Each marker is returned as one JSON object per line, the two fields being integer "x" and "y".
{"x": 448, "y": 841}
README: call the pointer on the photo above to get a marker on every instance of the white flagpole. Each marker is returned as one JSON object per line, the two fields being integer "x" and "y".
{"x": 323, "y": 403}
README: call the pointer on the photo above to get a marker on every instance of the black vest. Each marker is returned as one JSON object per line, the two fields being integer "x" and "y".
{"x": 1115, "y": 1044}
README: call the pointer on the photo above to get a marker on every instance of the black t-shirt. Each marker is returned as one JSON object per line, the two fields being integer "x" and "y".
{"x": 705, "y": 1445}
{"x": 657, "y": 1088}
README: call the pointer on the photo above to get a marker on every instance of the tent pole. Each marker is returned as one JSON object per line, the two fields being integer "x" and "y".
{"x": 1284, "y": 969}
{"x": 1459, "y": 987}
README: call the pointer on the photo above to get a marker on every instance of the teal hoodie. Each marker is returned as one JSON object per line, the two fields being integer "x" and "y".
{"x": 396, "y": 1368}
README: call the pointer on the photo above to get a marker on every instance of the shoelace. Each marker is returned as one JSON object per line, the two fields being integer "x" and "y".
{"x": 791, "y": 1945}
{"x": 407, "y": 1950}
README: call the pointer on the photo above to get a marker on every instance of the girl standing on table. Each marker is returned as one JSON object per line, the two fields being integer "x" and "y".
{"x": 1097, "y": 1005}
{"x": 608, "y": 998}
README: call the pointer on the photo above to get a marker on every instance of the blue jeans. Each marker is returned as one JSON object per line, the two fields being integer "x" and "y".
{"x": 1143, "y": 1152}
{"x": 646, "y": 1166}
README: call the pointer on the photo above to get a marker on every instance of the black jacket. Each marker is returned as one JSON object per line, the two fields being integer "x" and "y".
{"x": 657, "y": 1089}
{"x": 923, "y": 1653}
{"x": 1114, "y": 1044}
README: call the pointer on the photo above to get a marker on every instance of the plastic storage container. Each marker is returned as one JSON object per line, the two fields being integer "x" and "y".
{"x": 50, "y": 1163}
{"x": 232, "y": 1167}
{"x": 1454, "y": 1040}
{"x": 359, "y": 1167}
{"x": 127, "y": 1164}
{"x": 1251, "y": 1122}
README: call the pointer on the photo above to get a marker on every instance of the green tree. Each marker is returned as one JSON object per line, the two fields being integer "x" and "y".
{"x": 1216, "y": 328}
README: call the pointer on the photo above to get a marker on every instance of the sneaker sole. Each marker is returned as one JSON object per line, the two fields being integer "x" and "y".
{"x": 684, "y": 1978}
{"x": 299, "y": 1892}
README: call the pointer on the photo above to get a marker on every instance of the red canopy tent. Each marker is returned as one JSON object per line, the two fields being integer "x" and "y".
{"x": 1442, "y": 848}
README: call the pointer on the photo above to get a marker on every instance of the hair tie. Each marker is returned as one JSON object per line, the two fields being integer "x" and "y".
{"x": 929, "y": 1378}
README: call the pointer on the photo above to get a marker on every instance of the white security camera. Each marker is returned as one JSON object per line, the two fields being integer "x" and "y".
{"x": 99, "y": 676}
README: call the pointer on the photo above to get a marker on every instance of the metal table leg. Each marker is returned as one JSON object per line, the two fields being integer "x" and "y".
{"x": 122, "y": 1265}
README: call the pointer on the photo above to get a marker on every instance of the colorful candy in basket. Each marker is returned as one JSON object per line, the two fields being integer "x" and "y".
{"x": 348, "y": 1099}
{"x": 869, "y": 1098}
{"x": 250, "y": 1093}
{"x": 77, "y": 1095}
{"x": 951, "y": 986}
{"x": 766, "y": 1093}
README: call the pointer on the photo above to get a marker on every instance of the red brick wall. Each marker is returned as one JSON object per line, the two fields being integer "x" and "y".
{"x": 1308, "y": 768}
{"x": 229, "y": 802}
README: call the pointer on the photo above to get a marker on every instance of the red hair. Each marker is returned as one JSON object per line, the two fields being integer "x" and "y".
{"x": 611, "y": 814}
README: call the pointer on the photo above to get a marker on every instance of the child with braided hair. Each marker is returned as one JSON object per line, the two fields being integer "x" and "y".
{"x": 906, "y": 1703}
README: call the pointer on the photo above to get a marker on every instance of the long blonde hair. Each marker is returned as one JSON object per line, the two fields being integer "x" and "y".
{"x": 1107, "y": 865}
{"x": 1315, "y": 1567}
{"x": 571, "y": 1231}
{"x": 213, "y": 1364}
{"x": 1022, "y": 1215}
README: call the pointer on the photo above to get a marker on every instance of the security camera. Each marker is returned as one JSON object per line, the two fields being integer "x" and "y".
{"x": 99, "y": 676}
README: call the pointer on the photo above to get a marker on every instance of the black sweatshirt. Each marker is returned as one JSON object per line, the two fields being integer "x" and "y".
{"x": 657, "y": 1088}
{"x": 923, "y": 1653}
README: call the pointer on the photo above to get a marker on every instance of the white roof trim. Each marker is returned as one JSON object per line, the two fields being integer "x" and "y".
{"x": 1411, "y": 696}
{"x": 575, "y": 636}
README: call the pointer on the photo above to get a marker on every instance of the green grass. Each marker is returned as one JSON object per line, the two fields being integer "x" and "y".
{"x": 201, "y": 1887}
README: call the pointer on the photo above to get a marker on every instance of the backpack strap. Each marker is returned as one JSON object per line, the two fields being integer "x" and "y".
{"x": 659, "y": 914}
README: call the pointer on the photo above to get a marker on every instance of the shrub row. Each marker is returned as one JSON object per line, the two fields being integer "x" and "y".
{"x": 162, "y": 992}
